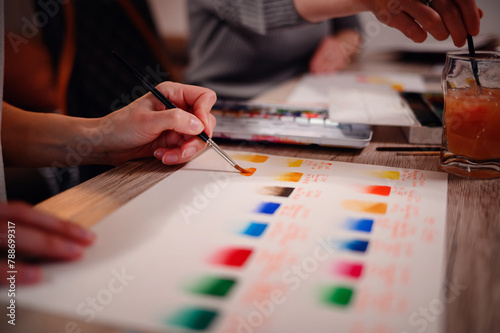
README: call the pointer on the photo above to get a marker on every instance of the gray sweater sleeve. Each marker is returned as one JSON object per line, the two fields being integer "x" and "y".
{"x": 259, "y": 16}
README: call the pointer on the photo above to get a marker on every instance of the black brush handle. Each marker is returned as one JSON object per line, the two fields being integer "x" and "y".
{"x": 472, "y": 53}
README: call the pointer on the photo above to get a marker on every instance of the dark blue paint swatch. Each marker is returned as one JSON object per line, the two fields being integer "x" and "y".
{"x": 355, "y": 245}
{"x": 268, "y": 208}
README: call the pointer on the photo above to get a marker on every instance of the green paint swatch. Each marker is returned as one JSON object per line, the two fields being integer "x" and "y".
{"x": 340, "y": 296}
{"x": 211, "y": 285}
{"x": 193, "y": 318}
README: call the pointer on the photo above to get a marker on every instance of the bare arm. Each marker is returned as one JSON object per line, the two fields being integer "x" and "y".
{"x": 142, "y": 129}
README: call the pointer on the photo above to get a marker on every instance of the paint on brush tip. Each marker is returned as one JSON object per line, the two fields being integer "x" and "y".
{"x": 198, "y": 319}
{"x": 365, "y": 206}
{"x": 247, "y": 172}
{"x": 289, "y": 177}
{"x": 394, "y": 175}
{"x": 250, "y": 158}
{"x": 277, "y": 191}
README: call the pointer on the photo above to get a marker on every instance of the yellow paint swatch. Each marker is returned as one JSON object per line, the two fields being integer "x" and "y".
{"x": 250, "y": 158}
{"x": 294, "y": 163}
{"x": 289, "y": 177}
{"x": 365, "y": 206}
{"x": 385, "y": 174}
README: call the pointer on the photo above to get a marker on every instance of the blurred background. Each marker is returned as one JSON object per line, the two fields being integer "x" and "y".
{"x": 67, "y": 60}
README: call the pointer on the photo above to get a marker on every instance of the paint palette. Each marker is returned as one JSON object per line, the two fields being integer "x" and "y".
{"x": 300, "y": 245}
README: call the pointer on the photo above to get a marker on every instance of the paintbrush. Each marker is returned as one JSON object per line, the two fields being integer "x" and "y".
{"x": 204, "y": 136}
{"x": 417, "y": 153}
{"x": 472, "y": 54}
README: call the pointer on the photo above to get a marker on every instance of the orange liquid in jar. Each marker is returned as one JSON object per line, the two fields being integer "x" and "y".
{"x": 472, "y": 118}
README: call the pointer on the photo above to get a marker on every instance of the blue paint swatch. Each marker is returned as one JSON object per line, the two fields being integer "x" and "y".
{"x": 355, "y": 245}
{"x": 364, "y": 225}
{"x": 268, "y": 208}
{"x": 255, "y": 229}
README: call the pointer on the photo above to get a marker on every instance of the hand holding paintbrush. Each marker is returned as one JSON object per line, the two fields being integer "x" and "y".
{"x": 169, "y": 105}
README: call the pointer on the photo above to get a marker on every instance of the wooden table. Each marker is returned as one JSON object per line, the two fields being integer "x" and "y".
{"x": 473, "y": 217}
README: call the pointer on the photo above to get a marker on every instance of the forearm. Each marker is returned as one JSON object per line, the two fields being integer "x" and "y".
{"x": 35, "y": 139}
{"x": 320, "y": 10}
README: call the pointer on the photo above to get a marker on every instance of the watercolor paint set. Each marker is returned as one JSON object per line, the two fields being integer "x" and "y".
{"x": 300, "y": 245}
{"x": 286, "y": 123}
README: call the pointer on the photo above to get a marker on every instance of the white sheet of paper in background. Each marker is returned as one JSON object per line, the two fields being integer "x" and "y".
{"x": 369, "y": 104}
{"x": 358, "y": 97}
{"x": 150, "y": 254}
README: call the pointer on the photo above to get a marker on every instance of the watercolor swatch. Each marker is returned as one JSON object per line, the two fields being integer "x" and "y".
{"x": 267, "y": 208}
{"x": 289, "y": 177}
{"x": 294, "y": 163}
{"x": 377, "y": 190}
{"x": 338, "y": 295}
{"x": 348, "y": 269}
{"x": 255, "y": 229}
{"x": 365, "y": 206}
{"x": 212, "y": 286}
{"x": 393, "y": 175}
{"x": 250, "y": 158}
{"x": 277, "y": 191}
{"x": 235, "y": 257}
{"x": 353, "y": 245}
{"x": 198, "y": 319}
{"x": 362, "y": 225}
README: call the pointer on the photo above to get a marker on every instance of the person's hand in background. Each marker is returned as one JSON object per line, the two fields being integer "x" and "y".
{"x": 414, "y": 18}
{"x": 335, "y": 52}
{"x": 27, "y": 235}
{"x": 440, "y": 18}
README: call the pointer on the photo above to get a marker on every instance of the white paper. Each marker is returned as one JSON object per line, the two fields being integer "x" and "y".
{"x": 358, "y": 97}
{"x": 369, "y": 104}
{"x": 151, "y": 250}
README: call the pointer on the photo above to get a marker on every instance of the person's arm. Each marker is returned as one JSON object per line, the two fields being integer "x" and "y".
{"x": 142, "y": 129}
{"x": 412, "y": 17}
{"x": 335, "y": 52}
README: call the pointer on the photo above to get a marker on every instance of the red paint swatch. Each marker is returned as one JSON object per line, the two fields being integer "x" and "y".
{"x": 234, "y": 257}
{"x": 378, "y": 190}
{"x": 348, "y": 269}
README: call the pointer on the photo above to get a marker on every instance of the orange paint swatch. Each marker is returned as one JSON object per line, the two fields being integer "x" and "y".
{"x": 249, "y": 172}
{"x": 377, "y": 190}
{"x": 289, "y": 177}
{"x": 365, "y": 206}
{"x": 385, "y": 174}
{"x": 251, "y": 158}
{"x": 294, "y": 163}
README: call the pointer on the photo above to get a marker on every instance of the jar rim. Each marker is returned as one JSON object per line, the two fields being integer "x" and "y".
{"x": 480, "y": 55}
